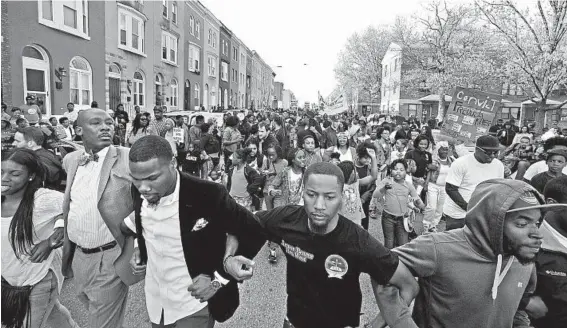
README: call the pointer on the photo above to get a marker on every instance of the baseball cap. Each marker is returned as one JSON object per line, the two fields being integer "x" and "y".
{"x": 488, "y": 142}
{"x": 529, "y": 201}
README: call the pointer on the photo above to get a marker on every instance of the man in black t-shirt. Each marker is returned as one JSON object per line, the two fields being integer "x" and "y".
{"x": 326, "y": 253}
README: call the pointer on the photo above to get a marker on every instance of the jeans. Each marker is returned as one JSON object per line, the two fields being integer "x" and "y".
{"x": 435, "y": 199}
{"x": 453, "y": 223}
{"x": 45, "y": 306}
{"x": 394, "y": 232}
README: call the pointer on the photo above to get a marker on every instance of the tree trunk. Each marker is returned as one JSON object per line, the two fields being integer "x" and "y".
{"x": 441, "y": 110}
{"x": 540, "y": 116}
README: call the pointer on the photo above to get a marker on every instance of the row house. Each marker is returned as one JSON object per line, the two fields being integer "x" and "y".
{"x": 54, "y": 51}
{"x": 234, "y": 72}
{"x": 249, "y": 69}
{"x": 144, "y": 58}
{"x": 193, "y": 45}
{"x": 242, "y": 64}
{"x": 225, "y": 54}
{"x": 418, "y": 101}
{"x": 126, "y": 52}
{"x": 211, "y": 97}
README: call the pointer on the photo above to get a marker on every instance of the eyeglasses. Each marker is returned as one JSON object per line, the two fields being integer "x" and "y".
{"x": 488, "y": 152}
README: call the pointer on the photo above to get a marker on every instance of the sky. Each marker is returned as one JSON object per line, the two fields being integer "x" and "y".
{"x": 291, "y": 33}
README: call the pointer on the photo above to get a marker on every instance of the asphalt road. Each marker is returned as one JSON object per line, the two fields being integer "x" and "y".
{"x": 262, "y": 298}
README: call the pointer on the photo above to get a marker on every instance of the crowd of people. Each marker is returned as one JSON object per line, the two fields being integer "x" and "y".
{"x": 127, "y": 199}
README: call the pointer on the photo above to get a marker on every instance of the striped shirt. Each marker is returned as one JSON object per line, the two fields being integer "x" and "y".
{"x": 85, "y": 225}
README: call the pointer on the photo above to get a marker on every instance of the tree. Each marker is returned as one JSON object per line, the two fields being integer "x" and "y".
{"x": 359, "y": 65}
{"x": 441, "y": 50}
{"x": 535, "y": 35}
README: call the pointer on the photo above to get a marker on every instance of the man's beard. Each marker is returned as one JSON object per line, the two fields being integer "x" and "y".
{"x": 512, "y": 249}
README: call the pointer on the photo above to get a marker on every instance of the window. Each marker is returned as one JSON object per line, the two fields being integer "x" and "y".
{"x": 386, "y": 70}
{"x": 412, "y": 110}
{"x": 194, "y": 58}
{"x": 212, "y": 65}
{"x": 164, "y": 8}
{"x": 70, "y": 16}
{"x": 396, "y": 64}
{"x": 224, "y": 47}
{"x": 197, "y": 94}
{"x": 131, "y": 31}
{"x": 198, "y": 30}
{"x": 242, "y": 58}
{"x": 174, "y": 13}
{"x": 159, "y": 89}
{"x": 224, "y": 71}
{"x": 210, "y": 38}
{"x": 139, "y": 87}
{"x": 555, "y": 116}
{"x": 510, "y": 113}
{"x": 214, "y": 40}
{"x": 505, "y": 88}
{"x": 191, "y": 25}
{"x": 173, "y": 101}
{"x": 234, "y": 54}
{"x": 168, "y": 48}
{"x": 80, "y": 83}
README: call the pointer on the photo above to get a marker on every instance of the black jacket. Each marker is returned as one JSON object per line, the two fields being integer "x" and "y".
{"x": 204, "y": 249}
{"x": 551, "y": 265}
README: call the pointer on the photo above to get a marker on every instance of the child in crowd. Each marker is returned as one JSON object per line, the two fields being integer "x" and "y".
{"x": 399, "y": 151}
{"x": 216, "y": 176}
{"x": 398, "y": 193}
{"x": 556, "y": 162}
{"x": 243, "y": 180}
{"x": 192, "y": 163}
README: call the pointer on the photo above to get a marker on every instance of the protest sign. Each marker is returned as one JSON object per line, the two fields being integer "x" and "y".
{"x": 470, "y": 115}
{"x": 178, "y": 134}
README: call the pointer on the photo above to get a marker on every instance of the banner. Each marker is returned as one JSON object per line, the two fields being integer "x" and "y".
{"x": 470, "y": 115}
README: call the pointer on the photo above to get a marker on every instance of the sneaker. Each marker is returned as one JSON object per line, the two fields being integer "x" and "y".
{"x": 273, "y": 258}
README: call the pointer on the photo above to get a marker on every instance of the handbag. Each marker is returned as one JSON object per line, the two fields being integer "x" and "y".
{"x": 16, "y": 307}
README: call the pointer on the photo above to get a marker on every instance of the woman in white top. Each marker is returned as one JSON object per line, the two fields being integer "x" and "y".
{"x": 169, "y": 125}
{"x": 435, "y": 185}
{"x": 32, "y": 230}
{"x": 346, "y": 152}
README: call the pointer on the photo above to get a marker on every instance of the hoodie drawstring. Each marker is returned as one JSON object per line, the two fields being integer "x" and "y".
{"x": 498, "y": 277}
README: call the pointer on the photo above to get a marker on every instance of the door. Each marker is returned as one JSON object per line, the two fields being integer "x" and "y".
{"x": 114, "y": 92}
{"x": 206, "y": 97}
{"x": 35, "y": 64}
{"x": 187, "y": 96}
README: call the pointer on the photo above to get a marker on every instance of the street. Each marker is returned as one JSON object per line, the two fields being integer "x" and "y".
{"x": 262, "y": 299}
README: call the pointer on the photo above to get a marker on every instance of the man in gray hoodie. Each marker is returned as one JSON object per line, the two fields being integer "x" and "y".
{"x": 475, "y": 276}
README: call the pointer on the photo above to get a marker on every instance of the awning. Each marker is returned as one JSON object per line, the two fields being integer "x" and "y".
{"x": 435, "y": 98}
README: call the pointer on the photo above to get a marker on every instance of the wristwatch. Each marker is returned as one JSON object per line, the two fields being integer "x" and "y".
{"x": 218, "y": 282}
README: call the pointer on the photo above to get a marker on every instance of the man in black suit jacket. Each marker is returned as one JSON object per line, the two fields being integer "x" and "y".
{"x": 181, "y": 223}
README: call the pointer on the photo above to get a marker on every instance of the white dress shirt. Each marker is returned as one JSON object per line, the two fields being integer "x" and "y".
{"x": 85, "y": 225}
{"x": 68, "y": 133}
{"x": 167, "y": 276}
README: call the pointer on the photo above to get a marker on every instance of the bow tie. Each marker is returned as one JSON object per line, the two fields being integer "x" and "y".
{"x": 86, "y": 158}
